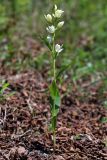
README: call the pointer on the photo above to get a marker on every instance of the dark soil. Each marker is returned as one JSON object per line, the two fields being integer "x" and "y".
{"x": 25, "y": 117}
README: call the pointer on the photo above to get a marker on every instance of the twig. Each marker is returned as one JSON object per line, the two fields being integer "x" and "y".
{"x": 21, "y": 135}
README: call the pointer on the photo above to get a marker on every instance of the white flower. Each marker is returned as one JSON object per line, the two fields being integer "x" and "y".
{"x": 48, "y": 17}
{"x": 58, "y": 48}
{"x": 55, "y": 7}
{"x": 58, "y": 13}
{"x": 60, "y": 24}
{"x": 49, "y": 39}
{"x": 51, "y": 29}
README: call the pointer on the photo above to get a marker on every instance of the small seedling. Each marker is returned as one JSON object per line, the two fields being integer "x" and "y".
{"x": 3, "y": 87}
{"x": 54, "y": 25}
{"x": 104, "y": 119}
{"x": 105, "y": 104}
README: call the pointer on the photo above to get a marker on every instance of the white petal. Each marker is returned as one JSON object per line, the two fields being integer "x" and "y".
{"x": 51, "y": 29}
{"x": 48, "y": 17}
{"x": 58, "y": 13}
{"x": 58, "y": 48}
{"x": 60, "y": 24}
{"x": 55, "y": 7}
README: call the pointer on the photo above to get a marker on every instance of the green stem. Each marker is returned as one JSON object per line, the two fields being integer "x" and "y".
{"x": 54, "y": 60}
{"x": 54, "y": 139}
{"x": 53, "y": 121}
{"x": 54, "y": 69}
{"x": 54, "y": 78}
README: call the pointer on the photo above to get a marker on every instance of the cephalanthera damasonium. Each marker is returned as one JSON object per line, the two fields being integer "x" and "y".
{"x": 54, "y": 24}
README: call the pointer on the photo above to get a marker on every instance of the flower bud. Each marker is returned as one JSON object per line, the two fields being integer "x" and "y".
{"x": 49, "y": 39}
{"x": 48, "y": 17}
{"x": 51, "y": 29}
{"x": 60, "y": 24}
{"x": 58, "y": 13}
{"x": 55, "y": 7}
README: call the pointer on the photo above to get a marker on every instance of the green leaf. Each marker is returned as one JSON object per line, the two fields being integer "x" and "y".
{"x": 54, "y": 94}
{"x": 55, "y": 99}
{"x": 63, "y": 68}
{"x": 104, "y": 120}
{"x": 4, "y": 87}
{"x": 53, "y": 124}
{"x": 54, "y": 108}
{"x": 105, "y": 104}
{"x": 46, "y": 43}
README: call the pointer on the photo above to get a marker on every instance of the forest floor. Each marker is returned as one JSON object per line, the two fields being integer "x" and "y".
{"x": 25, "y": 117}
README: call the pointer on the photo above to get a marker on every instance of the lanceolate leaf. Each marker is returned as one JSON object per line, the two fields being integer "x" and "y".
{"x": 54, "y": 94}
{"x": 104, "y": 120}
{"x": 53, "y": 123}
{"x": 54, "y": 108}
{"x": 4, "y": 86}
{"x": 46, "y": 43}
{"x": 63, "y": 68}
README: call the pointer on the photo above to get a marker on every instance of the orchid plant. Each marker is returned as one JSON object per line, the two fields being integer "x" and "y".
{"x": 54, "y": 25}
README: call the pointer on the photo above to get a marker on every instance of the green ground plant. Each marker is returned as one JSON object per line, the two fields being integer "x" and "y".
{"x": 4, "y": 86}
{"x": 54, "y": 25}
